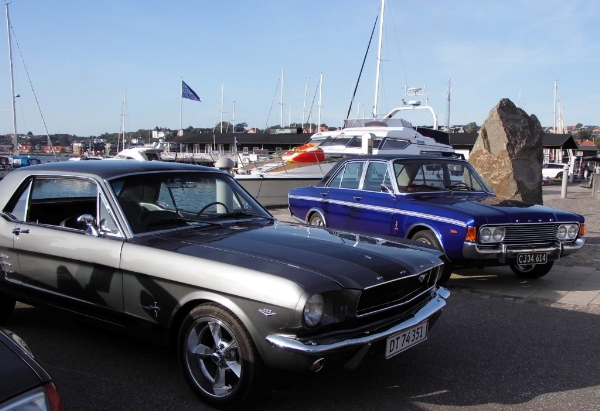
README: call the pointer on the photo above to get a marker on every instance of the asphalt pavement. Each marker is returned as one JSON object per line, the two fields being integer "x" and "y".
{"x": 574, "y": 281}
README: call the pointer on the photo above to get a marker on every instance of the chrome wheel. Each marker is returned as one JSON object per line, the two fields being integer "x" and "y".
{"x": 317, "y": 220}
{"x": 218, "y": 357}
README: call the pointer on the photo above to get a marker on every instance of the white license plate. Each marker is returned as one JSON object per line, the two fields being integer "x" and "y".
{"x": 405, "y": 339}
{"x": 532, "y": 258}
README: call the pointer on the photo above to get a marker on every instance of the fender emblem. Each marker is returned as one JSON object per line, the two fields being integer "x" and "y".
{"x": 154, "y": 307}
{"x": 267, "y": 312}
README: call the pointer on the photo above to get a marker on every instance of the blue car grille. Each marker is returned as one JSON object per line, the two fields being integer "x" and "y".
{"x": 524, "y": 234}
{"x": 394, "y": 293}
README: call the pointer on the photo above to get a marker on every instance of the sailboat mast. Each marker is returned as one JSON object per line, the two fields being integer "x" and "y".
{"x": 320, "y": 96}
{"x": 123, "y": 118}
{"x": 375, "y": 108}
{"x": 12, "y": 85}
{"x": 281, "y": 103}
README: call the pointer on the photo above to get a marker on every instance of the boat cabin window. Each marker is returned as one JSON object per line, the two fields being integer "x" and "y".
{"x": 394, "y": 144}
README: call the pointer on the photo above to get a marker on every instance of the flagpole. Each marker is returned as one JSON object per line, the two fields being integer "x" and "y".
{"x": 181, "y": 110}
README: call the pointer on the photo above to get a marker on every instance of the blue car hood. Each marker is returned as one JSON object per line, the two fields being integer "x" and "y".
{"x": 496, "y": 210}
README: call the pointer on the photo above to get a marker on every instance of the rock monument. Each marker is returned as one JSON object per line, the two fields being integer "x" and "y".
{"x": 508, "y": 153}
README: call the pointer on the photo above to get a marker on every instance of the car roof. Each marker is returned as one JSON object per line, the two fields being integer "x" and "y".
{"x": 106, "y": 169}
{"x": 388, "y": 157}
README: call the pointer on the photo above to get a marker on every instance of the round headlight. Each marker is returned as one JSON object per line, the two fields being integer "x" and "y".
{"x": 562, "y": 232}
{"x": 498, "y": 234}
{"x": 485, "y": 235}
{"x": 572, "y": 233}
{"x": 313, "y": 310}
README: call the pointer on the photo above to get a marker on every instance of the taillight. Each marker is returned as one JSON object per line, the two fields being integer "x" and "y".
{"x": 53, "y": 397}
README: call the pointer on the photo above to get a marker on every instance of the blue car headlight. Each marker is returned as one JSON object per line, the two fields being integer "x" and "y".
{"x": 491, "y": 235}
{"x": 567, "y": 231}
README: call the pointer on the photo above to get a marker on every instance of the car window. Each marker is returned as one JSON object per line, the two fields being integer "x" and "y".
{"x": 348, "y": 176}
{"x": 417, "y": 175}
{"x": 375, "y": 176}
{"x": 158, "y": 201}
{"x": 59, "y": 202}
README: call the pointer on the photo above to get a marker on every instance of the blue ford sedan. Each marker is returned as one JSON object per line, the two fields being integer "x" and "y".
{"x": 443, "y": 202}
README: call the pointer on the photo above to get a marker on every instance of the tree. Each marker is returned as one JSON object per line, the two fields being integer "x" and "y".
{"x": 225, "y": 127}
{"x": 471, "y": 128}
{"x": 597, "y": 142}
{"x": 578, "y": 125}
{"x": 583, "y": 135}
{"x": 240, "y": 127}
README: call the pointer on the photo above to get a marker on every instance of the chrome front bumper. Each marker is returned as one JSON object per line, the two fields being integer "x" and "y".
{"x": 427, "y": 311}
{"x": 503, "y": 254}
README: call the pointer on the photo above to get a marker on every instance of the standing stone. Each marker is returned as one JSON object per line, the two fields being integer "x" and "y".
{"x": 508, "y": 153}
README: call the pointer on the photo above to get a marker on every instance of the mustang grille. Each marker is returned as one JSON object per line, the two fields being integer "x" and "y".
{"x": 394, "y": 293}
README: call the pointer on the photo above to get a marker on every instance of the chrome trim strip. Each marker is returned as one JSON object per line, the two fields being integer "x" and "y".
{"x": 426, "y": 312}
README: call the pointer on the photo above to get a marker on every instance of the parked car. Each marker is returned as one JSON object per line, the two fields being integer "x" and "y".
{"x": 25, "y": 384}
{"x": 442, "y": 202}
{"x": 182, "y": 254}
{"x": 553, "y": 170}
{"x": 24, "y": 161}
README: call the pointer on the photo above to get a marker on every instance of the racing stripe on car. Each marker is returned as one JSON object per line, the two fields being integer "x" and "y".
{"x": 384, "y": 209}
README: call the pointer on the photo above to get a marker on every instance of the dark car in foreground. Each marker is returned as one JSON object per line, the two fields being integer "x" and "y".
{"x": 25, "y": 385}
{"x": 182, "y": 254}
{"x": 443, "y": 202}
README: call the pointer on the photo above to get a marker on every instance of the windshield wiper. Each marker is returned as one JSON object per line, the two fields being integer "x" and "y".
{"x": 245, "y": 214}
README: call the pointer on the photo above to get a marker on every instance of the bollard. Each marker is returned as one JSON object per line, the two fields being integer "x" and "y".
{"x": 565, "y": 177}
{"x": 595, "y": 184}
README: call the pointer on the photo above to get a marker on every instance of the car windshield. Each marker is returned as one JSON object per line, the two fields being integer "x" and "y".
{"x": 157, "y": 201}
{"x": 433, "y": 174}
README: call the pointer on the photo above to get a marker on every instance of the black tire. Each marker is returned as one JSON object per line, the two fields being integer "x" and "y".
{"x": 7, "y": 305}
{"x": 316, "y": 219}
{"x": 428, "y": 238}
{"x": 532, "y": 270}
{"x": 218, "y": 358}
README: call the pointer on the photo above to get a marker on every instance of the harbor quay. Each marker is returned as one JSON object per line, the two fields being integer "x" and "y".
{"x": 574, "y": 281}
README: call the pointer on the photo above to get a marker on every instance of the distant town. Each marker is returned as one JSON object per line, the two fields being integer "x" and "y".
{"x": 108, "y": 143}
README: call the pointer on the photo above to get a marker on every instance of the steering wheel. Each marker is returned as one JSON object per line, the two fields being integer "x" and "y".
{"x": 459, "y": 185}
{"x": 203, "y": 209}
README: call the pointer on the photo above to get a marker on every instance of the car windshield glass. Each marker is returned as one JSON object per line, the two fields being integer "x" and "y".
{"x": 437, "y": 174}
{"x": 163, "y": 200}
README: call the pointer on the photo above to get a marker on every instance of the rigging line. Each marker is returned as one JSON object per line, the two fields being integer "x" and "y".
{"x": 272, "y": 102}
{"x": 33, "y": 91}
{"x": 362, "y": 67}
{"x": 311, "y": 107}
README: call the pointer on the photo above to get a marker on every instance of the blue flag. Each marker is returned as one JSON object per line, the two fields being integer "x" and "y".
{"x": 187, "y": 92}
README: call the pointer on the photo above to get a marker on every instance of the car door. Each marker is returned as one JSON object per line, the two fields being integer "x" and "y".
{"x": 339, "y": 198}
{"x": 374, "y": 205}
{"x": 59, "y": 259}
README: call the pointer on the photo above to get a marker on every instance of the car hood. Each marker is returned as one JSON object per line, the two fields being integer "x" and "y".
{"x": 295, "y": 251}
{"x": 496, "y": 210}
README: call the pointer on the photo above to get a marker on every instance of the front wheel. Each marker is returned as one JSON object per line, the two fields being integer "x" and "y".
{"x": 218, "y": 357}
{"x": 531, "y": 270}
{"x": 428, "y": 238}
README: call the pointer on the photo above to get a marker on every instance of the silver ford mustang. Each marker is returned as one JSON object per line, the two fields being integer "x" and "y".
{"x": 182, "y": 255}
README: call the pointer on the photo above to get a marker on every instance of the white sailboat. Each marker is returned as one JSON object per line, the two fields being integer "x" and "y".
{"x": 270, "y": 181}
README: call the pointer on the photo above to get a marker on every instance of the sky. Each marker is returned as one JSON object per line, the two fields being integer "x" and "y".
{"x": 85, "y": 67}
